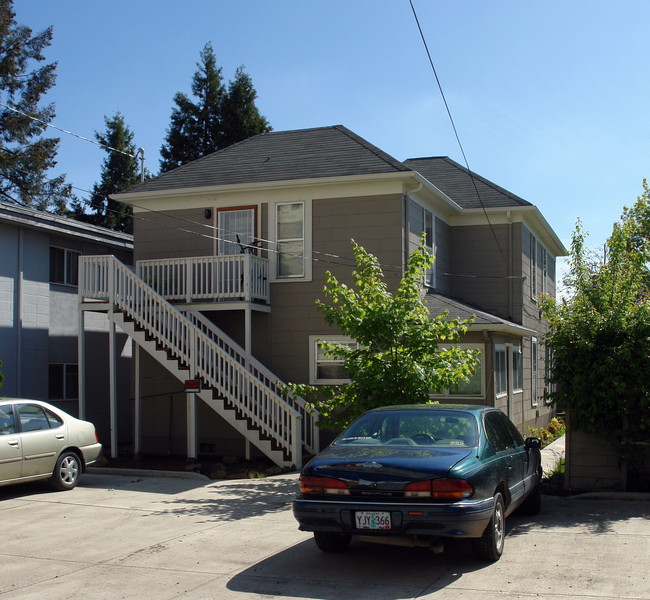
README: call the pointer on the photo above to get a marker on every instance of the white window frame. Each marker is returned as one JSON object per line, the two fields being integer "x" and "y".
{"x": 306, "y": 239}
{"x": 517, "y": 369}
{"x": 430, "y": 277}
{"x": 533, "y": 372}
{"x": 67, "y": 252}
{"x": 544, "y": 270}
{"x": 446, "y": 391}
{"x": 498, "y": 374}
{"x": 533, "y": 267}
{"x": 314, "y": 362}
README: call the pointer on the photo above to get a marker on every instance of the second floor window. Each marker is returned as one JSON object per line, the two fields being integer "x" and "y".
{"x": 421, "y": 221}
{"x": 290, "y": 221}
{"x": 64, "y": 266}
{"x": 533, "y": 267}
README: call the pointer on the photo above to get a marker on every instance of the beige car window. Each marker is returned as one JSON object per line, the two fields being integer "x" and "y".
{"x": 32, "y": 418}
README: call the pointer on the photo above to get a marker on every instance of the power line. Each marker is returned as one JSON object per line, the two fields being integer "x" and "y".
{"x": 453, "y": 125}
{"x": 81, "y": 137}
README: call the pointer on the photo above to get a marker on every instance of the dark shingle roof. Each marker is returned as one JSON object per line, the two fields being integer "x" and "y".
{"x": 455, "y": 181}
{"x": 280, "y": 156}
{"x": 37, "y": 219}
{"x": 439, "y": 303}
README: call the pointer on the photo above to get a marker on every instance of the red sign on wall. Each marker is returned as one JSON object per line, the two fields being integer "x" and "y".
{"x": 192, "y": 386}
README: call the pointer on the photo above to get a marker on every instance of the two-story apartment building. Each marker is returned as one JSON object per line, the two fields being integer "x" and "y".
{"x": 39, "y": 315}
{"x": 236, "y": 246}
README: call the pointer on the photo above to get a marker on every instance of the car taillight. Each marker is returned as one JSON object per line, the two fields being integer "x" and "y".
{"x": 439, "y": 489}
{"x": 315, "y": 484}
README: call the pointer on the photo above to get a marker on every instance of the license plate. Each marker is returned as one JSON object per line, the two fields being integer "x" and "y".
{"x": 373, "y": 520}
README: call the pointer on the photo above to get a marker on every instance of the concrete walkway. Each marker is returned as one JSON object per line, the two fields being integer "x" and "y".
{"x": 552, "y": 454}
{"x": 138, "y": 538}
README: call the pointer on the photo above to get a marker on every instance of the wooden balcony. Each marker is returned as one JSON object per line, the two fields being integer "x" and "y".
{"x": 208, "y": 279}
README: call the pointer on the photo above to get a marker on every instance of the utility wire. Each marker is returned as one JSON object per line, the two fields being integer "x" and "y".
{"x": 453, "y": 125}
{"x": 81, "y": 137}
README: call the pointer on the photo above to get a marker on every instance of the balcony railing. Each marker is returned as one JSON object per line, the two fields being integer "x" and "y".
{"x": 229, "y": 278}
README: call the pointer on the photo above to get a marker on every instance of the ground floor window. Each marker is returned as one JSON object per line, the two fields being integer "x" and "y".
{"x": 501, "y": 370}
{"x": 63, "y": 381}
{"x": 475, "y": 387}
{"x": 325, "y": 369}
{"x": 533, "y": 372}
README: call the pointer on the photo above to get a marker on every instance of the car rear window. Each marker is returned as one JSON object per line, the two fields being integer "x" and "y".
{"x": 412, "y": 428}
{"x": 7, "y": 425}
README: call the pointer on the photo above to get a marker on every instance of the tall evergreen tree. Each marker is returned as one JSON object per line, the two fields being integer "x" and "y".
{"x": 119, "y": 171}
{"x": 215, "y": 118}
{"x": 25, "y": 155}
{"x": 240, "y": 116}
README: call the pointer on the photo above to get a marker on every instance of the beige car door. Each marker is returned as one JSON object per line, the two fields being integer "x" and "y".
{"x": 43, "y": 436}
{"x": 10, "y": 448}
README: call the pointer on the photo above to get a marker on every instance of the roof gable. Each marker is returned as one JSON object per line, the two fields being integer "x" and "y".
{"x": 280, "y": 156}
{"x": 455, "y": 181}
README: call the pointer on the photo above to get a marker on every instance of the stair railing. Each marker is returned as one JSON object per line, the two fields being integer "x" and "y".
{"x": 310, "y": 431}
{"x": 105, "y": 278}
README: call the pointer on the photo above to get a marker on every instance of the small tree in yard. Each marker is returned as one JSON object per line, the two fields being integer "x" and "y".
{"x": 397, "y": 358}
{"x": 600, "y": 337}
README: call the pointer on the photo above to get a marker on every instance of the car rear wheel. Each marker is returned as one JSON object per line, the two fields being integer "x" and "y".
{"x": 67, "y": 471}
{"x": 490, "y": 545}
{"x": 331, "y": 541}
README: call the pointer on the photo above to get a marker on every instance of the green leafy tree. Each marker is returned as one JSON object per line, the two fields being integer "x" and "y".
{"x": 25, "y": 154}
{"x": 600, "y": 336}
{"x": 120, "y": 170}
{"x": 216, "y": 118}
{"x": 397, "y": 359}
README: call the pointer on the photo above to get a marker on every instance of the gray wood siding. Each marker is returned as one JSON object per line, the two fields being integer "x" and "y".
{"x": 373, "y": 222}
{"x": 479, "y": 268}
{"x": 442, "y": 251}
{"x": 166, "y": 236}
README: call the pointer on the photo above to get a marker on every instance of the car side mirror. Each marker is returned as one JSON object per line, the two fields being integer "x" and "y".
{"x": 534, "y": 443}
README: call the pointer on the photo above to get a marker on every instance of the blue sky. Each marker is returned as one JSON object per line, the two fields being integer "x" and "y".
{"x": 550, "y": 99}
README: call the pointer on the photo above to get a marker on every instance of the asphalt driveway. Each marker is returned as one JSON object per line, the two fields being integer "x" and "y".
{"x": 141, "y": 537}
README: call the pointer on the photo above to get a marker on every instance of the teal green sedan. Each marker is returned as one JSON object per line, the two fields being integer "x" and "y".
{"x": 415, "y": 475}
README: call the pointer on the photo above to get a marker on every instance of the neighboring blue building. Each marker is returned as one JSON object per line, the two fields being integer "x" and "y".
{"x": 39, "y": 316}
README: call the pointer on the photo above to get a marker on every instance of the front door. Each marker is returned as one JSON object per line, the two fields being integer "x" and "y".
{"x": 236, "y": 231}
{"x": 236, "y": 237}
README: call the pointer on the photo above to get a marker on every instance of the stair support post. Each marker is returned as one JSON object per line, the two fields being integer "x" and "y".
{"x": 112, "y": 383}
{"x": 191, "y": 425}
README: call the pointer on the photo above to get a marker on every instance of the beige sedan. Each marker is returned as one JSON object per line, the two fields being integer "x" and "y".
{"x": 40, "y": 441}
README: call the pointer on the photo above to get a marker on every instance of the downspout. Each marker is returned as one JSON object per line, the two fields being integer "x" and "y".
{"x": 510, "y": 274}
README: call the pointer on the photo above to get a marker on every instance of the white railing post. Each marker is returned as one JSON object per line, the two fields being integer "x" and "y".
{"x": 188, "y": 280}
{"x": 110, "y": 281}
{"x": 248, "y": 275}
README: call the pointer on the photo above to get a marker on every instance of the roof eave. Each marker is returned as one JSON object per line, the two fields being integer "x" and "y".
{"x": 548, "y": 235}
{"x": 505, "y": 327}
{"x": 131, "y": 197}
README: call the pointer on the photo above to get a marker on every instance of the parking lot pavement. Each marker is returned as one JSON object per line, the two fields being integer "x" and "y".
{"x": 142, "y": 537}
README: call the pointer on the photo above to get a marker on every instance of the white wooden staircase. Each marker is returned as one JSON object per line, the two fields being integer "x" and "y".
{"x": 233, "y": 383}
